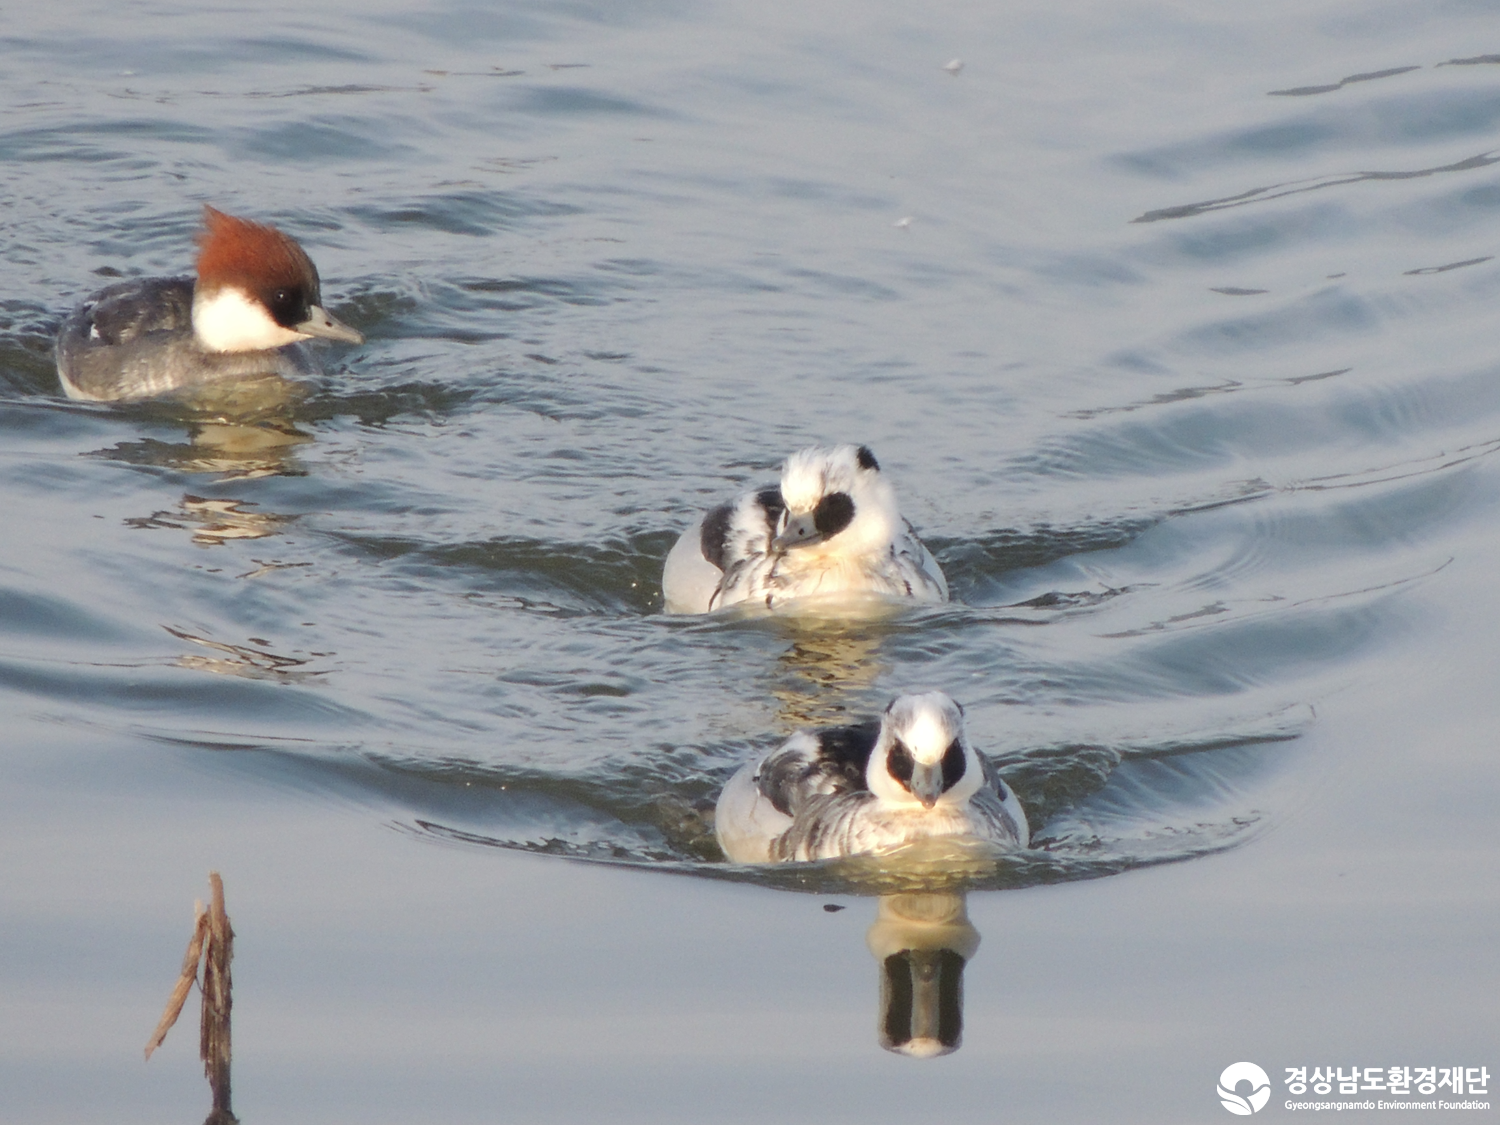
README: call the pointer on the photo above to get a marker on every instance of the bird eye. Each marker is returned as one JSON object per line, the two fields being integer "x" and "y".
{"x": 287, "y": 307}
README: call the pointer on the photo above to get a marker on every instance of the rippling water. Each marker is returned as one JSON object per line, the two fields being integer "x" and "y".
{"x": 1172, "y": 326}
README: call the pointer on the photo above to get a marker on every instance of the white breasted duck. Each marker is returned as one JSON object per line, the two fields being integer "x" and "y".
{"x": 831, "y": 527}
{"x": 844, "y": 791}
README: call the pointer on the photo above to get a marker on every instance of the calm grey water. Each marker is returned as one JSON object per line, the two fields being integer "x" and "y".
{"x": 1173, "y": 326}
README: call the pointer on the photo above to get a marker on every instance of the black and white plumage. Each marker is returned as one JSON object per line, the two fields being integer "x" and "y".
{"x": 831, "y": 527}
{"x": 910, "y": 775}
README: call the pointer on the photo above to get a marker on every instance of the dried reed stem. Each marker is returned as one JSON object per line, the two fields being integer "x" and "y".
{"x": 185, "y": 981}
{"x": 213, "y": 1043}
{"x": 212, "y": 944}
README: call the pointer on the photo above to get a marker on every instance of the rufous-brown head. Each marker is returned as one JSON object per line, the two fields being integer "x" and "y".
{"x": 257, "y": 288}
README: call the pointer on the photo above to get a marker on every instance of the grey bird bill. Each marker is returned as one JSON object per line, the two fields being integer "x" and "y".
{"x": 798, "y": 531}
{"x": 927, "y": 783}
{"x": 323, "y": 324}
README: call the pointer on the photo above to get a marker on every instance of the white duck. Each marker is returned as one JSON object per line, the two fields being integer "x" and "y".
{"x": 845, "y": 791}
{"x": 831, "y": 527}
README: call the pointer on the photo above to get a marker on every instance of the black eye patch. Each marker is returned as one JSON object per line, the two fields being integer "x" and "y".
{"x": 899, "y": 763}
{"x": 833, "y": 513}
{"x": 288, "y": 305}
{"x": 954, "y": 764}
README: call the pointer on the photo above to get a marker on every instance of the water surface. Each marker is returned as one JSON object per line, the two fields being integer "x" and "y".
{"x": 1173, "y": 328}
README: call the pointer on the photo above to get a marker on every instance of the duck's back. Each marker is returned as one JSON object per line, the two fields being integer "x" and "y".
{"x": 129, "y": 310}
{"x": 828, "y": 763}
{"x": 135, "y": 340}
{"x": 765, "y": 799}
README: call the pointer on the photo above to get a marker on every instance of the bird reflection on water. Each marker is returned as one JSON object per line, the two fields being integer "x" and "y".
{"x": 922, "y": 942}
{"x": 240, "y": 431}
{"x": 236, "y": 431}
{"x": 213, "y": 520}
{"x": 825, "y": 665}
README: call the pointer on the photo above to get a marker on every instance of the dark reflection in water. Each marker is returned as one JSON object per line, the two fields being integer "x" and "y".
{"x": 1425, "y": 270}
{"x": 1303, "y": 91}
{"x": 922, "y": 943}
{"x": 1318, "y": 183}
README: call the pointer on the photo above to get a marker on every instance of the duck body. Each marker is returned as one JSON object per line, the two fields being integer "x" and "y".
{"x": 843, "y": 791}
{"x": 134, "y": 341}
{"x": 831, "y": 527}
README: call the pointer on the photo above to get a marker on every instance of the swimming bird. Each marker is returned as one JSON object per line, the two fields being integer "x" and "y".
{"x": 910, "y": 775}
{"x": 255, "y": 300}
{"x": 830, "y": 527}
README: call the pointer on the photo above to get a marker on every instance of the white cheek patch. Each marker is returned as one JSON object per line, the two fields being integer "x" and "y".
{"x": 229, "y": 321}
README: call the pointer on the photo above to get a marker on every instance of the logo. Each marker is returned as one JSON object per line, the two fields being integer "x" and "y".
{"x": 1260, "y": 1088}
